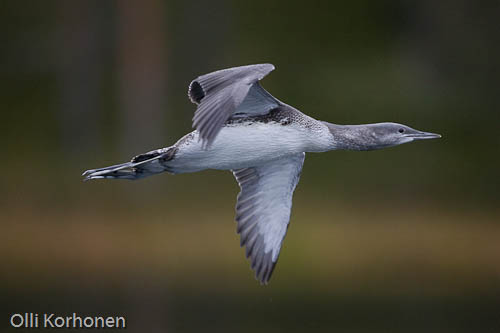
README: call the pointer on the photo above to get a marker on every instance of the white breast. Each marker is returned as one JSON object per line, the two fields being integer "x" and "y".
{"x": 249, "y": 144}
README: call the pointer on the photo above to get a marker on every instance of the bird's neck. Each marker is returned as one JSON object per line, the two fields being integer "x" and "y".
{"x": 352, "y": 137}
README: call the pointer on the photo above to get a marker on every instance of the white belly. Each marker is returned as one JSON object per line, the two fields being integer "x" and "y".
{"x": 244, "y": 145}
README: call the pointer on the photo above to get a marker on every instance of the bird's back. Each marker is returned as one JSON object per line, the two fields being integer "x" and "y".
{"x": 251, "y": 141}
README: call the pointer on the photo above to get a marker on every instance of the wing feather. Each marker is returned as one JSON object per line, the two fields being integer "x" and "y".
{"x": 226, "y": 93}
{"x": 263, "y": 210}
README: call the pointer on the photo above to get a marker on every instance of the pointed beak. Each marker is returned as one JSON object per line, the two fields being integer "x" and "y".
{"x": 422, "y": 135}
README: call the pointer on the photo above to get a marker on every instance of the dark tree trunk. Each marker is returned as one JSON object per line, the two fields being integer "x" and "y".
{"x": 141, "y": 74}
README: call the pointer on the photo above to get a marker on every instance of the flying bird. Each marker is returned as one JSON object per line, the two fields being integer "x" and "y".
{"x": 239, "y": 126}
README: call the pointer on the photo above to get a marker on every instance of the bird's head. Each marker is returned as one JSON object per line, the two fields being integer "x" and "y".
{"x": 392, "y": 134}
{"x": 374, "y": 136}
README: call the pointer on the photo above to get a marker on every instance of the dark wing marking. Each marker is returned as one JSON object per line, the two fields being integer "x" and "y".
{"x": 263, "y": 210}
{"x": 227, "y": 92}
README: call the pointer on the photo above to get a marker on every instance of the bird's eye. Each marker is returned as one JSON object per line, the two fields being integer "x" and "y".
{"x": 401, "y": 130}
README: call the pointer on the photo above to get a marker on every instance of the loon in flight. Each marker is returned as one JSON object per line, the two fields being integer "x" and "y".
{"x": 241, "y": 127}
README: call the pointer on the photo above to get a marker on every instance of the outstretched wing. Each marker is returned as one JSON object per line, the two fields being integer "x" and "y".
{"x": 226, "y": 93}
{"x": 263, "y": 210}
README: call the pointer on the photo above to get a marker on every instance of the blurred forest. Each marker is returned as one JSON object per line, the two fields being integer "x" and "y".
{"x": 398, "y": 240}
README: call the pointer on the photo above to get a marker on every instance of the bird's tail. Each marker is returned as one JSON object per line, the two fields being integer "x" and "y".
{"x": 141, "y": 166}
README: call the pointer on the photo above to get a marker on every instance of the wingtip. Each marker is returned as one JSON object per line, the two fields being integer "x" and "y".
{"x": 263, "y": 70}
{"x": 267, "y": 68}
{"x": 270, "y": 66}
{"x": 264, "y": 277}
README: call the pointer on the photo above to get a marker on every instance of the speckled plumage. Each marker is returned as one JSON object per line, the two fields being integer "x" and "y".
{"x": 240, "y": 127}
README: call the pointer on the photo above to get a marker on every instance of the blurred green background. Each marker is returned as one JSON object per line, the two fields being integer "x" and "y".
{"x": 399, "y": 240}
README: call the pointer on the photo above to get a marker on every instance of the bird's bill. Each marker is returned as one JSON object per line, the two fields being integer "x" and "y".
{"x": 423, "y": 135}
